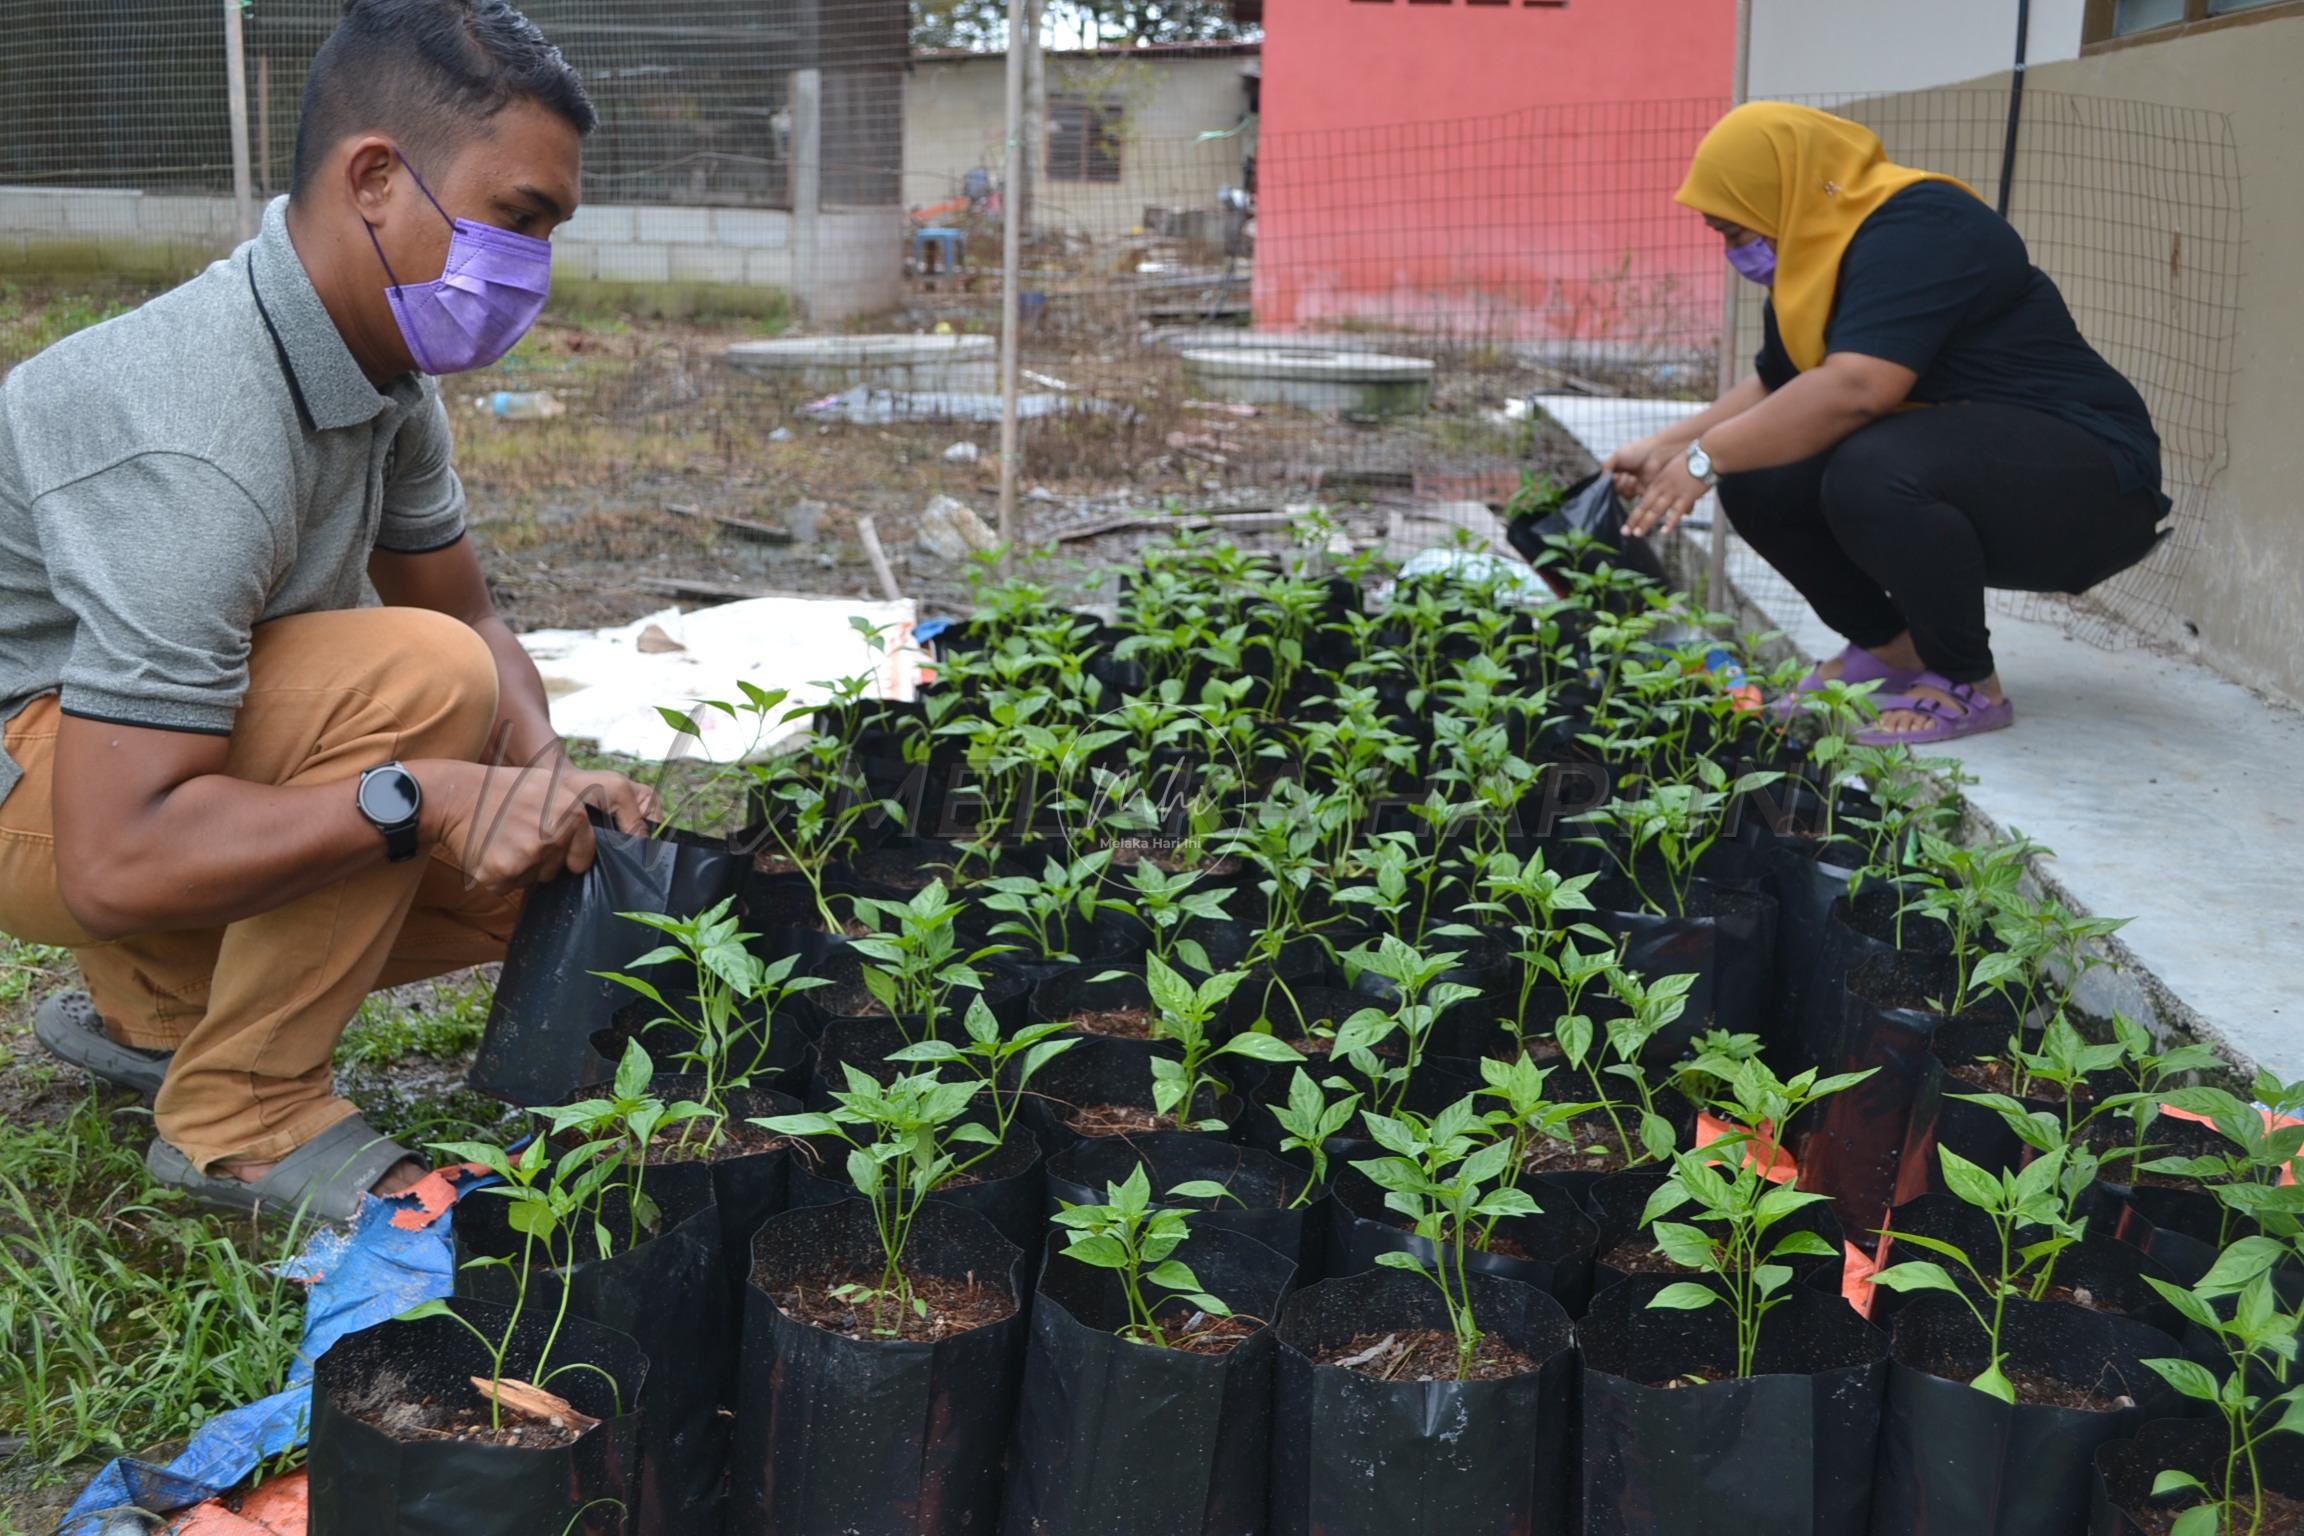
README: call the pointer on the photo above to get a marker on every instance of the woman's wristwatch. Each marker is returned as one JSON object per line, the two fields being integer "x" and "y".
{"x": 1700, "y": 466}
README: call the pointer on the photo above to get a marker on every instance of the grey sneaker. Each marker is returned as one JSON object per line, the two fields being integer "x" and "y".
{"x": 73, "y": 1031}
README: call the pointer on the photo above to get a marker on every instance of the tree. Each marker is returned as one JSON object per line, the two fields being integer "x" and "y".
{"x": 982, "y": 25}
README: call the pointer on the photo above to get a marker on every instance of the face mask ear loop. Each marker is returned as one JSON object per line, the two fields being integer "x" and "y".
{"x": 422, "y": 361}
{"x": 427, "y": 191}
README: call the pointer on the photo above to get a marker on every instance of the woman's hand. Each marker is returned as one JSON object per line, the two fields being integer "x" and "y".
{"x": 1637, "y": 463}
{"x": 1670, "y": 494}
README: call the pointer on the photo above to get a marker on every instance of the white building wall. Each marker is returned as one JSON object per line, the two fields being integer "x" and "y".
{"x": 1812, "y": 48}
{"x": 955, "y": 114}
{"x": 859, "y": 266}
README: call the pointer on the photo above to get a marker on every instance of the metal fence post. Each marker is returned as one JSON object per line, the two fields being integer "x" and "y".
{"x": 807, "y": 102}
{"x": 1011, "y": 257}
{"x": 1716, "y": 568}
{"x": 236, "y": 104}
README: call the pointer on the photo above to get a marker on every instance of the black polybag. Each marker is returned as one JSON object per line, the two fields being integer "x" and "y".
{"x": 1115, "y": 1438}
{"x": 1554, "y": 1245}
{"x": 1873, "y": 1144}
{"x": 1590, "y": 507}
{"x": 549, "y": 1004}
{"x": 1617, "y": 1202}
{"x": 1007, "y": 1190}
{"x": 1787, "y": 1450}
{"x": 2115, "y": 1276}
{"x": 1103, "y": 1070}
{"x": 2126, "y": 1470}
{"x": 887, "y": 1437}
{"x": 1958, "y": 1462}
{"x": 1726, "y": 939}
{"x": 1262, "y": 1187}
{"x": 365, "y": 1482}
{"x": 669, "y": 1294}
{"x": 1353, "y": 1455}
{"x": 749, "y": 1188}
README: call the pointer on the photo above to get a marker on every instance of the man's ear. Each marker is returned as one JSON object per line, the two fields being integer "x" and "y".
{"x": 370, "y": 170}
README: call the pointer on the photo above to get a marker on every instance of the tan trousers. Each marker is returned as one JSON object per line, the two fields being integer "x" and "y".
{"x": 253, "y": 1010}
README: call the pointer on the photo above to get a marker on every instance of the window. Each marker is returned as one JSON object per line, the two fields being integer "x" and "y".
{"x": 1083, "y": 141}
{"x": 2116, "y": 23}
{"x": 2131, "y": 16}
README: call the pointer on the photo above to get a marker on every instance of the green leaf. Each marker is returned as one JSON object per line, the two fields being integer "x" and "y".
{"x": 2199, "y": 1520}
{"x": 2187, "y": 1376}
{"x": 1258, "y": 1046}
{"x": 1175, "y": 1275}
{"x": 1393, "y": 1258}
{"x": 1099, "y": 1249}
{"x": 1802, "y": 1245}
{"x": 2176, "y": 1480}
{"x": 1687, "y": 1246}
{"x": 1968, "y": 1181}
{"x": 1995, "y": 1384}
{"x": 810, "y": 1124}
{"x": 1686, "y": 1296}
{"x": 2241, "y": 1263}
{"x": 1917, "y": 1275}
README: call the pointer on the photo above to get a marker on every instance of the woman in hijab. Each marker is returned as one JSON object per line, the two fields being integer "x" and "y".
{"x": 2033, "y": 464}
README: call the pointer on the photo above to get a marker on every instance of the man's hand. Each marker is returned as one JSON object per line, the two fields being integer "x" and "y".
{"x": 1637, "y": 463}
{"x": 1670, "y": 495}
{"x": 632, "y": 805}
{"x": 509, "y": 828}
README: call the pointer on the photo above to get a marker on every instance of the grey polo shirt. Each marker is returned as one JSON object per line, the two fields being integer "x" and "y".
{"x": 173, "y": 478}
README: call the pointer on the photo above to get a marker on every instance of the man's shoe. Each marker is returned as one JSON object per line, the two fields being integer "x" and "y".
{"x": 73, "y": 1031}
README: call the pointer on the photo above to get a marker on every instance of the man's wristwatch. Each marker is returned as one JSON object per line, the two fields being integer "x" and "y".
{"x": 1700, "y": 466}
{"x": 390, "y": 798}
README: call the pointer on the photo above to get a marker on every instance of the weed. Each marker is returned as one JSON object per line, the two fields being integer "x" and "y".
{"x": 391, "y": 1027}
{"x": 125, "y": 1321}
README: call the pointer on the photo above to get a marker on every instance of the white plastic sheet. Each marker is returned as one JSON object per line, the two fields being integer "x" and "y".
{"x": 605, "y": 688}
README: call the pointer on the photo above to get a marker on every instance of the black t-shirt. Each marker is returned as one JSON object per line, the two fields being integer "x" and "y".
{"x": 1937, "y": 282}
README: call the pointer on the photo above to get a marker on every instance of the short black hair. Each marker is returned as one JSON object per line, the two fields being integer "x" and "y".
{"x": 429, "y": 73}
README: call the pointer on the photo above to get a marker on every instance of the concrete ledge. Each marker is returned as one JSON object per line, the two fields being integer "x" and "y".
{"x": 2162, "y": 790}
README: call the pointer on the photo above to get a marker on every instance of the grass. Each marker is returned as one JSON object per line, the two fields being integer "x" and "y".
{"x": 27, "y": 969}
{"x": 34, "y": 316}
{"x": 393, "y": 1026}
{"x": 128, "y": 1317}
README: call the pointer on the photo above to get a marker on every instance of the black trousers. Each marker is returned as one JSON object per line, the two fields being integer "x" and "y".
{"x": 1905, "y": 523}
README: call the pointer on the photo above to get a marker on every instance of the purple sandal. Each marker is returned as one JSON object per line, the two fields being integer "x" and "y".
{"x": 1970, "y": 713}
{"x": 1857, "y": 665}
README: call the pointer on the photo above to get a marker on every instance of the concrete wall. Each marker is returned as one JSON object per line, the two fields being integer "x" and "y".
{"x": 859, "y": 268}
{"x": 955, "y": 112}
{"x": 2157, "y": 258}
{"x": 1866, "y": 47}
{"x": 2241, "y": 596}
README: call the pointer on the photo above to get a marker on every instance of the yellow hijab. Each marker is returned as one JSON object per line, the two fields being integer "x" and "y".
{"x": 1806, "y": 180}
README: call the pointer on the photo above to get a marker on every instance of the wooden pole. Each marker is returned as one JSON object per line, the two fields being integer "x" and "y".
{"x": 236, "y": 105}
{"x": 1011, "y": 262}
{"x": 1716, "y": 583}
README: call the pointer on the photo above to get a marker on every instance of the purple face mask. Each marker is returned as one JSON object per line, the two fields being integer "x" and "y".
{"x": 492, "y": 289}
{"x": 1755, "y": 259}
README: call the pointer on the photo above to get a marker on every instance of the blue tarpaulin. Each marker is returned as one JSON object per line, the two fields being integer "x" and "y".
{"x": 358, "y": 1279}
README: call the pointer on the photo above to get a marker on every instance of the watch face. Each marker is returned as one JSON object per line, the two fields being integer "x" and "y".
{"x": 389, "y": 796}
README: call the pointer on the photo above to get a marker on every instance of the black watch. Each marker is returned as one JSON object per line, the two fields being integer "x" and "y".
{"x": 390, "y": 798}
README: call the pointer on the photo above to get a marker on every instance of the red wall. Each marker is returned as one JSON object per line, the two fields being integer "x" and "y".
{"x": 1493, "y": 170}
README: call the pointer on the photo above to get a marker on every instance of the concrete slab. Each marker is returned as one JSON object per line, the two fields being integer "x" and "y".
{"x": 2164, "y": 791}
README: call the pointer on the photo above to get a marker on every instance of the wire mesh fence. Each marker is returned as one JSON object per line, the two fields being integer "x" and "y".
{"x": 1391, "y": 315}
